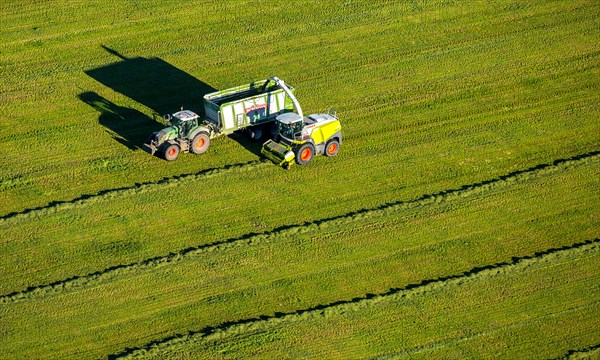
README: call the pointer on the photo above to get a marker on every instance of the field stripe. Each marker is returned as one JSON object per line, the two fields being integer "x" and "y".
{"x": 587, "y": 353}
{"x": 56, "y": 206}
{"x": 252, "y": 239}
{"x": 566, "y": 253}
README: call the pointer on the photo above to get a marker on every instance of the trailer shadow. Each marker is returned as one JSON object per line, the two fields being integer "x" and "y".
{"x": 250, "y": 145}
{"x": 153, "y": 83}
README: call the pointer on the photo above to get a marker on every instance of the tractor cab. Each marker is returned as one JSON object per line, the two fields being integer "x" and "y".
{"x": 184, "y": 121}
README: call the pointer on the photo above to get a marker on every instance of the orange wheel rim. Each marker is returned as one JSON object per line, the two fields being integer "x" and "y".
{"x": 172, "y": 151}
{"x": 332, "y": 148}
{"x": 200, "y": 142}
{"x": 305, "y": 155}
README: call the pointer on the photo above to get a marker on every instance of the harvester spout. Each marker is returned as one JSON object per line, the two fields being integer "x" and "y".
{"x": 285, "y": 88}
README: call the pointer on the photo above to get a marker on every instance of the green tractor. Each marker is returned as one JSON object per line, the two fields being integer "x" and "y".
{"x": 303, "y": 137}
{"x": 184, "y": 133}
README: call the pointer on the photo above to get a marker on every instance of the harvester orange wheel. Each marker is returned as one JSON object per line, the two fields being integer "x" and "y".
{"x": 332, "y": 147}
{"x": 305, "y": 153}
{"x": 200, "y": 143}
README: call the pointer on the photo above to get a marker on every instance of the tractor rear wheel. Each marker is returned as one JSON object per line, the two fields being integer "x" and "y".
{"x": 200, "y": 143}
{"x": 305, "y": 153}
{"x": 332, "y": 147}
{"x": 171, "y": 152}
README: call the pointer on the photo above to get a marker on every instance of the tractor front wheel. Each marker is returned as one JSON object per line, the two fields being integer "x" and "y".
{"x": 305, "y": 153}
{"x": 332, "y": 147}
{"x": 171, "y": 152}
{"x": 200, "y": 143}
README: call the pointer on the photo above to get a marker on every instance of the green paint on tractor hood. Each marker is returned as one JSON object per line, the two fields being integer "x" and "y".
{"x": 166, "y": 134}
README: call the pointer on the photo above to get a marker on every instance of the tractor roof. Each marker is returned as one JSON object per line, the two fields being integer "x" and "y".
{"x": 185, "y": 115}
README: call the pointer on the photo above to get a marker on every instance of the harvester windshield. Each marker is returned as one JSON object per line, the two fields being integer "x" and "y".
{"x": 289, "y": 124}
{"x": 288, "y": 130}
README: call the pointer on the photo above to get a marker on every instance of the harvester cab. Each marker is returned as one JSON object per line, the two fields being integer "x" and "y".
{"x": 291, "y": 126}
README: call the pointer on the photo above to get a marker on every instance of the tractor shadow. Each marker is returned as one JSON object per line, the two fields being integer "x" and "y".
{"x": 127, "y": 126}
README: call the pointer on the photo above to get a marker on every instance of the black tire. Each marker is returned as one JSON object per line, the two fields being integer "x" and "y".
{"x": 305, "y": 153}
{"x": 332, "y": 147}
{"x": 171, "y": 151}
{"x": 273, "y": 130}
{"x": 257, "y": 133}
{"x": 200, "y": 143}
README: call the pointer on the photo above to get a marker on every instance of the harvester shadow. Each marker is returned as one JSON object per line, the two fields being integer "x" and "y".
{"x": 253, "y": 146}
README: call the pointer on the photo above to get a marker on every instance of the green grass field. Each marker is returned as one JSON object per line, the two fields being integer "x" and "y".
{"x": 460, "y": 219}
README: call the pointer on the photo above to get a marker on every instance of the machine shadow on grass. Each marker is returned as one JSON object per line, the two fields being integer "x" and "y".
{"x": 127, "y": 126}
{"x": 154, "y": 83}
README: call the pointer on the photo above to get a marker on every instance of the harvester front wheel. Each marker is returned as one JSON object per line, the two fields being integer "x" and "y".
{"x": 305, "y": 153}
{"x": 332, "y": 147}
{"x": 200, "y": 143}
{"x": 171, "y": 152}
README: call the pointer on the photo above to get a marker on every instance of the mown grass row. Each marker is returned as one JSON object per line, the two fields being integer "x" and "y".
{"x": 327, "y": 263}
{"x": 521, "y": 308}
{"x": 387, "y": 209}
{"x": 590, "y": 352}
{"x": 446, "y": 61}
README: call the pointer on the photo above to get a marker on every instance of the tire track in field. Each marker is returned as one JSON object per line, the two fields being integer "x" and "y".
{"x": 252, "y": 239}
{"x": 56, "y": 206}
{"x": 565, "y": 253}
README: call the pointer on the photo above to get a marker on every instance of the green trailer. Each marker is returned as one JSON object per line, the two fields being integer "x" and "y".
{"x": 252, "y": 108}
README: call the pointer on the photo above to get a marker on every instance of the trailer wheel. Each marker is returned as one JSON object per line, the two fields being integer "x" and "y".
{"x": 305, "y": 154}
{"x": 273, "y": 130}
{"x": 171, "y": 152}
{"x": 200, "y": 143}
{"x": 332, "y": 147}
{"x": 256, "y": 133}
